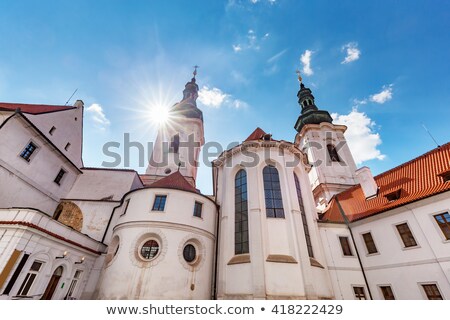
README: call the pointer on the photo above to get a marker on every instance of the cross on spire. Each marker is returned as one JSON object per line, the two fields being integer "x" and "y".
{"x": 299, "y": 76}
{"x": 195, "y": 70}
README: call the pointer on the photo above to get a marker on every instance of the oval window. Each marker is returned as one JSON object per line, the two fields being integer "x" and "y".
{"x": 150, "y": 249}
{"x": 189, "y": 253}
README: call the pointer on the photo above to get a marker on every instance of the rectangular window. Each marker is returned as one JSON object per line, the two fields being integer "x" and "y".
{"x": 432, "y": 292}
{"x": 59, "y": 177}
{"x": 345, "y": 244}
{"x": 67, "y": 146}
{"x": 73, "y": 284}
{"x": 52, "y": 130}
{"x": 359, "y": 293}
{"x": 387, "y": 292}
{"x": 29, "y": 278}
{"x": 406, "y": 235}
{"x": 28, "y": 151}
{"x": 198, "y": 209}
{"x": 160, "y": 203}
{"x": 443, "y": 221}
{"x": 370, "y": 244}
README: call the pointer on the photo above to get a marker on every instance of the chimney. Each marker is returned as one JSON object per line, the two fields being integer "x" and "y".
{"x": 367, "y": 182}
{"x": 78, "y": 104}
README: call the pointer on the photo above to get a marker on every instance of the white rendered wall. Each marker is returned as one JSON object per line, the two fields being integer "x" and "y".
{"x": 259, "y": 278}
{"x": 405, "y": 269}
{"x": 168, "y": 276}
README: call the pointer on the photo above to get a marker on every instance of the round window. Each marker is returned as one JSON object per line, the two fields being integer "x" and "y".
{"x": 189, "y": 253}
{"x": 150, "y": 249}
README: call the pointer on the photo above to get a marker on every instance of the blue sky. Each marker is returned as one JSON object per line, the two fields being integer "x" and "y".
{"x": 382, "y": 67}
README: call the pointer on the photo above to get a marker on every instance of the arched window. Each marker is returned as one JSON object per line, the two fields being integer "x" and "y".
{"x": 241, "y": 243}
{"x": 333, "y": 153}
{"x": 272, "y": 193}
{"x": 303, "y": 214}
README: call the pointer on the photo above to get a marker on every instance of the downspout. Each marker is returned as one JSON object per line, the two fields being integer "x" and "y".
{"x": 216, "y": 260}
{"x": 354, "y": 245}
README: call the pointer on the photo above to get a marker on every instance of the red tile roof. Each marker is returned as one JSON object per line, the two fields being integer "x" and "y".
{"x": 417, "y": 179}
{"x": 174, "y": 181}
{"x": 32, "y": 108}
{"x": 258, "y": 134}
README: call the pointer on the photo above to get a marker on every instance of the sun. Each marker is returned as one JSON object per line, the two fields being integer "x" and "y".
{"x": 159, "y": 114}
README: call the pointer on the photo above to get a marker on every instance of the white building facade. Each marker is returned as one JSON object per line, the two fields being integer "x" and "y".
{"x": 287, "y": 220}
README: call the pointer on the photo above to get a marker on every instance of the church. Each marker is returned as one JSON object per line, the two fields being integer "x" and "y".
{"x": 287, "y": 219}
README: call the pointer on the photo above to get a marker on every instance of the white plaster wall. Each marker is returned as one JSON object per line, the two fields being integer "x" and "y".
{"x": 168, "y": 276}
{"x": 69, "y": 129}
{"x": 260, "y": 279}
{"x": 45, "y": 248}
{"x": 406, "y": 268}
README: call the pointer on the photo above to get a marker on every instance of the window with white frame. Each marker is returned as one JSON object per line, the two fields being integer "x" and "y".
{"x": 73, "y": 284}
{"x": 30, "y": 278}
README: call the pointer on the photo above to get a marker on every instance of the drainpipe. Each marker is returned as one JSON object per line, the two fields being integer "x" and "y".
{"x": 354, "y": 245}
{"x": 216, "y": 260}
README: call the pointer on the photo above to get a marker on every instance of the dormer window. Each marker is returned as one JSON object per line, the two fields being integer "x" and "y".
{"x": 394, "y": 195}
{"x": 445, "y": 176}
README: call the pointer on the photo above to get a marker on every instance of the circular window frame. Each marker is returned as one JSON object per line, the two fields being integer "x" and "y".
{"x": 199, "y": 246}
{"x": 192, "y": 262}
{"x": 141, "y": 246}
{"x": 140, "y": 239}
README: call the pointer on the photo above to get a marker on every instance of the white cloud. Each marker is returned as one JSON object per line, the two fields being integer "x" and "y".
{"x": 211, "y": 97}
{"x": 96, "y": 114}
{"x": 383, "y": 96}
{"x": 216, "y": 98}
{"x": 362, "y": 140}
{"x": 353, "y": 52}
{"x": 237, "y": 47}
{"x": 305, "y": 59}
{"x": 276, "y": 56}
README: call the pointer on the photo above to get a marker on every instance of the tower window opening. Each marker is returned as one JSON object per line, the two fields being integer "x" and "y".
{"x": 175, "y": 143}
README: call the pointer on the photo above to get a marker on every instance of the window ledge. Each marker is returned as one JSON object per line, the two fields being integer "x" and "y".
{"x": 281, "y": 258}
{"x": 411, "y": 247}
{"x": 240, "y": 258}
{"x": 372, "y": 254}
{"x": 315, "y": 263}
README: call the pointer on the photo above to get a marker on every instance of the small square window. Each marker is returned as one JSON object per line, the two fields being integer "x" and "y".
{"x": 67, "y": 146}
{"x": 406, "y": 235}
{"x": 394, "y": 195}
{"x": 370, "y": 244}
{"x": 160, "y": 203}
{"x": 432, "y": 292}
{"x": 28, "y": 151}
{"x": 52, "y": 130}
{"x": 359, "y": 293}
{"x": 198, "y": 209}
{"x": 387, "y": 292}
{"x": 345, "y": 245}
{"x": 443, "y": 221}
{"x": 59, "y": 177}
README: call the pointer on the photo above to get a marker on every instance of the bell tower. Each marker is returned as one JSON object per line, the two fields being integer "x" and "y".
{"x": 333, "y": 167}
{"x": 179, "y": 140}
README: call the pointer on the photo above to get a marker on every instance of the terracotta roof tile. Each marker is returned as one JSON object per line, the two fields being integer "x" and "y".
{"x": 256, "y": 135}
{"x": 417, "y": 179}
{"x": 174, "y": 181}
{"x": 33, "y": 108}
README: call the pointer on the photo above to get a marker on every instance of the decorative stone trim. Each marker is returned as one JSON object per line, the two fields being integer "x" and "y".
{"x": 240, "y": 258}
{"x": 200, "y": 249}
{"x": 315, "y": 263}
{"x": 136, "y": 245}
{"x": 281, "y": 258}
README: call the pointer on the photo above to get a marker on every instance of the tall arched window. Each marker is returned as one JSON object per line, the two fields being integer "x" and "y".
{"x": 241, "y": 243}
{"x": 272, "y": 193}
{"x": 304, "y": 221}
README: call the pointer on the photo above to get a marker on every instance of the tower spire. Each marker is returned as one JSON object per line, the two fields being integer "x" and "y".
{"x": 310, "y": 114}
